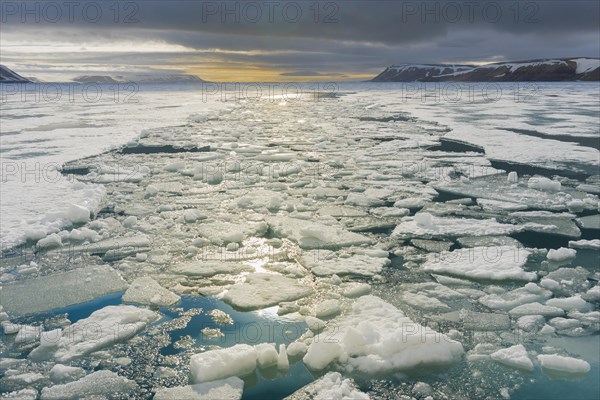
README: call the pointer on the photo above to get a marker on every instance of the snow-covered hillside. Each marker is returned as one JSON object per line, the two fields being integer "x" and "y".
{"x": 140, "y": 78}
{"x": 7, "y": 75}
{"x": 551, "y": 70}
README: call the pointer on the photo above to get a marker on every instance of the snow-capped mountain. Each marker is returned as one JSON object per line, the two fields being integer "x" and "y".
{"x": 551, "y": 70}
{"x": 142, "y": 78}
{"x": 8, "y": 75}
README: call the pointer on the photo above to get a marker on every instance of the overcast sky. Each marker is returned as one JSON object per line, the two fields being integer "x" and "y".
{"x": 285, "y": 40}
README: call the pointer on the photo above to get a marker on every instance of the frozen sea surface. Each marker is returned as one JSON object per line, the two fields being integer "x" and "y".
{"x": 362, "y": 240}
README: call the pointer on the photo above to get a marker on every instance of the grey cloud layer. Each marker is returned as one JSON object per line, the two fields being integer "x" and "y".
{"x": 362, "y": 36}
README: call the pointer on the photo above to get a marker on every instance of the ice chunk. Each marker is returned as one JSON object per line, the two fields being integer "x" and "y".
{"x": 573, "y": 303}
{"x": 220, "y": 232}
{"x": 96, "y": 385}
{"x": 424, "y": 225}
{"x": 515, "y": 356}
{"x": 377, "y": 337}
{"x": 545, "y": 184}
{"x": 514, "y": 298}
{"x": 562, "y": 254}
{"x": 315, "y": 324}
{"x": 487, "y": 241}
{"x": 191, "y": 216}
{"x": 536, "y": 309}
{"x": 78, "y": 214}
{"x": 531, "y": 323}
{"x": 147, "y": 291}
{"x": 328, "y": 309}
{"x": 296, "y": 349}
{"x": 50, "y": 241}
{"x": 332, "y": 386}
{"x": 266, "y": 355}
{"x": 226, "y": 389}
{"x": 593, "y": 294}
{"x": 239, "y": 360}
{"x": 60, "y": 290}
{"x": 593, "y": 244}
{"x": 261, "y": 290}
{"x": 23, "y": 394}
{"x": 320, "y": 355}
{"x": 210, "y": 268}
{"x": 570, "y": 365}
{"x": 355, "y": 289}
{"x": 63, "y": 373}
{"x": 512, "y": 177}
{"x": 101, "y": 329}
{"x": 493, "y": 263}
{"x": 324, "y": 262}
{"x": 282, "y": 360}
{"x": 424, "y": 302}
{"x": 314, "y": 235}
{"x": 589, "y": 222}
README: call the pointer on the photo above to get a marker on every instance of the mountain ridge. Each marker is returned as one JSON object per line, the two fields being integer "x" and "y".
{"x": 539, "y": 70}
{"x": 7, "y": 75}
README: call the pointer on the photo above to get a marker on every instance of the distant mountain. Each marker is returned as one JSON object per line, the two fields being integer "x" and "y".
{"x": 551, "y": 70}
{"x": 7, "y": 75}
{"x": 145, "y": 78}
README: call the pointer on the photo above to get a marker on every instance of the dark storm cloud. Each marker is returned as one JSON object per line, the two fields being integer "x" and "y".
{"x": 323, "y": 37}
{"x": 388, "y": 22}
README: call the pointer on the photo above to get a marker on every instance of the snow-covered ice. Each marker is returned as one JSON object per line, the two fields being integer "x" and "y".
{"x": 493, "y": 263}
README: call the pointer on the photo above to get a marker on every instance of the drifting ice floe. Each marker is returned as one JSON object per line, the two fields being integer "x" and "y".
{"x": 515, "y": 356}
{"x": 314, "y": 235}
{"x": 325, "y": 262}
{"x": 60, "y": 290}
{"x": 554, "y": 362}
{"x": 424, "y": 225}
{"x": 149, "y": 292}
{"x": 263, "y": 290}
{"x": 376, "y": 337}
{"x": 493, "y": 263}
{"x": 110, "y": 325}
{"x": 95, "y": 385}
{"x": 329, "y": 387}
{"x": 239, "y": 360}
{"x": 226, "y": 389}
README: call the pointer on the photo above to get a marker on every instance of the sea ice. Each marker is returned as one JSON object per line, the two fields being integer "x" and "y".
{"x": 536, "y": 309}
{"x": 103, "y": 328}
{"x": 493, "y": 263}
{"x": 376, "y": 337}
{"x": 212, "y": 365}
{"x": 570, "y": 365}
{"x": 60, "y": 290}
{"x": 60, "y": 373}
{"x": 98, "y": 384}
{"x": 593, "y": 244}
{"x": 147, "y": 291}
{"x": 225, "y": 389}
{"x": 327, "y": 309}
{"x": 573, "y": 303}
{"x": 562, "y": 254}
{"x": 515, "y": 356}
{"x": 210, "y": 268}
{"x": 261, "y": 290}
{"x": 325, "y": 262}
{"x": 509, "y": 300}
{"x": 425, "y": 225}
{"x": 315, "y": 235}
{"x": 332, "y": 386}
{"x": 266, "y": 355}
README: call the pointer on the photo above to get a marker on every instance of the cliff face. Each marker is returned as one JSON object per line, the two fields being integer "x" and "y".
{"x": 556, "y": 70}
{"x": 9, "y": 76}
